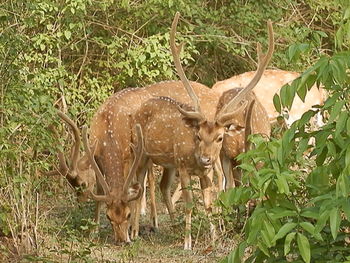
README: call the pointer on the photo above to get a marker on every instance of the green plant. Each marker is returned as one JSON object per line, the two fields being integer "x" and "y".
{"x": 302, "y": 188}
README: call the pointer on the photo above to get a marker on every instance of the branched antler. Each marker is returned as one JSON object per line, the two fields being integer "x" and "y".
{"x": 176, "y": 50}
{"x": 263, "y": 60}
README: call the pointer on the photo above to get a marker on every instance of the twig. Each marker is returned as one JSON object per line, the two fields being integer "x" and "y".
{"x": 85, "y": 55}
{"x": 36, "y": 221}
{"x": 197, "y": 236}
{"x": 116, "y": 28}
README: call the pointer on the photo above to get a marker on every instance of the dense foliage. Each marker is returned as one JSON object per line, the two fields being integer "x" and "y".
{"x": 73, "y": 54}
{"x": 302, "y": 186}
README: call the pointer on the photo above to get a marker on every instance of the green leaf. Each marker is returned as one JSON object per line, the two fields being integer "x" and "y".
{"x": 346, "y": 208}
{"x": 67, "y": 34}
{"x": 285, "y": 96}
{"x": 341, "y": 123}
{"x": 288, "y": 241}
{"x": 334, "y": 220}
{"x": 322, "y": 156}
{"x": 286, "y": 228}
{"x": 311, "y": 229}
{"x": 332, "y": 100}
{"x": 263, "y": 248}
{"x": 305, "y": 118}
{"x": 336, "y": 110}
{"x": 266, "y": 238}
{"x": 322, "y": 220}
{"x": 347, "y": 157}
{"x": 283, "y": 213}
{"x": 304, "y": 247}
{"x": 277, "y": 103}
{"x": 282, "y": 184}
{"x": 142, "y": 58}
{"x": 269, "y": 229}
{"x": 310, "y": 214}
{"x": 292, "y": 51}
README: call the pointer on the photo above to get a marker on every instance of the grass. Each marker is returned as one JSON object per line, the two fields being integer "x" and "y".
{"x": 65, "y": 234}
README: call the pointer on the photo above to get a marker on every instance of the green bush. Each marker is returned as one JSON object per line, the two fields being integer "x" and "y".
{"x": 302, "y": 189}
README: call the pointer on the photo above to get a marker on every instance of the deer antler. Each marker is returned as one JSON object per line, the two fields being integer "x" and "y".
{"x": 138, "y": 150}
{"x": 248, "y": 125}
{"x": 263, "y": 60}
{"x": 76, "y": 147}
{"x": 106, "y": 197}
{"x": 176, "y": 50}
{"x": 62, "y": 166}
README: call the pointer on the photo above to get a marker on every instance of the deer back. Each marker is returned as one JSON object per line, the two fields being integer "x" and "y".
{"x": 271, "y": 82}
{"x": 169, "y": 137}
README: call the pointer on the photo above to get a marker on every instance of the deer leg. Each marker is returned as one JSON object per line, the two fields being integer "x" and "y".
{"x": 188, "y": 199}
{"x": 237, "y": 173}
{"x": 97, "y": 209}
{"x": 219, "y": 172}
{"x": 136, "y": 206}
{"x": 165, "y": 187}
{"x": 207, "y": 198}
{"x": 177, "y": 194}
{"x": 152, "y": 196}
{"x": 143, "y": 197}
{"x": 228, "y": 172}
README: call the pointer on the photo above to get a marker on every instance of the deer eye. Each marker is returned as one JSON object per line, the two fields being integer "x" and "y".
{"x": 128, "y": 216}
{"x": 219, "y": 139}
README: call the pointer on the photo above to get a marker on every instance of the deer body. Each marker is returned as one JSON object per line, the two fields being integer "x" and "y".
{"x": 112, "y": 127}
{"x": 170, "y": 141}
{"x": 271, "y": 82}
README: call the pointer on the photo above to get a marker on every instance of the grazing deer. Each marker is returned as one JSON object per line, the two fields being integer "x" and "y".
{"x": 78, "y": 172}
{"x": 118, "y": 193}
{"x": 189, "y": 138}
{"x": 271, "y": 82}
{"x": 112, "y": 122}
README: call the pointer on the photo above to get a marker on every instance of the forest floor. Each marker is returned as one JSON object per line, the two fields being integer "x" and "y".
{"x": 65, "y": 234}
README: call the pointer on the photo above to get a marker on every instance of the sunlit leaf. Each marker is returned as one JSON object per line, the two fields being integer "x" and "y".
{"x": 285, "y": 229}
{"x": 288, "y": 241}
{"x": 334, "y": 220}
{"x": 304, "y": 247}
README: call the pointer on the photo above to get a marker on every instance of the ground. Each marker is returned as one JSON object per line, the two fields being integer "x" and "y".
{"x": 65, "y": 234}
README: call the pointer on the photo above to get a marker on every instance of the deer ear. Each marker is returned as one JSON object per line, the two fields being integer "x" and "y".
{"x": 192, "y": 118}
{"x": 134, "y": 192}
{"x": 192, "y": 123}
{"x": 234, "y": 127}
{"x": 83, "y": 163}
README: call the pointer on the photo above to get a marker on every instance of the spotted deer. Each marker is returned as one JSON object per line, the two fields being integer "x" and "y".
{"x": 113, "y": 122}
{"x": 189, "y": 138}
{"x": 271, "y": 82}
{"x": 119, "y": 191}
{"x": 77, "y": 170}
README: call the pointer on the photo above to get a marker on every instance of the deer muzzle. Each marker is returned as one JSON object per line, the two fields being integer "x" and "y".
{"x": 206, "y": 162}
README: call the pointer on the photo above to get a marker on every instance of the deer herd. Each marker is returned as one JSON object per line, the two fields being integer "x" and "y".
{"x": 183, "y": 126}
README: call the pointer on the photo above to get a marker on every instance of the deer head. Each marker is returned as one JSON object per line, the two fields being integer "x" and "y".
{"x": 77, "y": 171}
{"x": 253, "y": 119}
{"x": 118, "y": 198}
{"x": 209, "y": 134}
